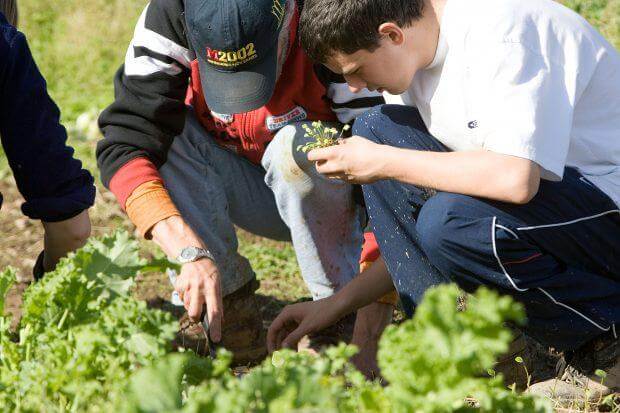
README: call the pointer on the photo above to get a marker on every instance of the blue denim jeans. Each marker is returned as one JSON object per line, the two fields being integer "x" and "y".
{"x": 283, "y": 199}
{"x": 559, "y": 254}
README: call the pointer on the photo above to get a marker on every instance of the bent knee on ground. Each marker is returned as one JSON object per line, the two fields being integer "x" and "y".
{"x": 379, "y": 123}
{"x": 439, "y": 228}
{"x": 284, "y": 159}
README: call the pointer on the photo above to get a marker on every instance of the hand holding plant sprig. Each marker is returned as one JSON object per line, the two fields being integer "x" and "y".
{"x": 322, "y": 135}
{"x": 355, "y": 160}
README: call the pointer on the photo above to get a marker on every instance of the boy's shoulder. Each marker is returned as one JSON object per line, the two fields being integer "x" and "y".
{"x": 514, "y": 20}
{"x": 542, "y": 27}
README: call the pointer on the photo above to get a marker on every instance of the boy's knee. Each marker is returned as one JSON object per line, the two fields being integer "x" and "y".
{"x": 386, "y": 124}
{"x": 365, "y": 124}
{"x": 437, "y": 225}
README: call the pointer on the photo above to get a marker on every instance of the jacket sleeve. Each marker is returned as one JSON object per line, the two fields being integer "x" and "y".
{"x": 346, "y": 104}
{"x": 149, "y": 109}
{"x": 51, "y": 180}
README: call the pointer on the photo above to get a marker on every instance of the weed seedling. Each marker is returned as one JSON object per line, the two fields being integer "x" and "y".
{"x": 322, "y": 135}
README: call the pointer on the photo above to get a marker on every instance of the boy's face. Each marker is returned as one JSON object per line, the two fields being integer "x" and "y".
{"x": 383, "y": 70}
{"x": 392, "y": 66}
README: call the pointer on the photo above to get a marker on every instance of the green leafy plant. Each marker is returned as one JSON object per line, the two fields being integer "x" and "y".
{"x": 81, "y": 333}
{"x": 323, "y": 136}
{"x": 85, "y": 344}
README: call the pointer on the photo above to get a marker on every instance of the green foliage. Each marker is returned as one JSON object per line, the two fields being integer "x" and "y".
{"x": 78, "y": 46}
{"x": 322, "y": 135}
{"x": 81, "y": 333}
{"x": 446, "y": 351}
{"x": 84, "y": 344}
{"x": 432, "y": 363}
{"x": 285, "y": 383}
{"x": 269, "y": 259}
{"x": 7, "y": 279}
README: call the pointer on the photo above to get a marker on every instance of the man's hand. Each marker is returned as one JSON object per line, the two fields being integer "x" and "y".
{"x": 197, "y": 285}
{"x": 63, "y": 237}
{"x": 199, "y": 282}
{"x": 301, "y": 319}
{"x": 355, "y": 160}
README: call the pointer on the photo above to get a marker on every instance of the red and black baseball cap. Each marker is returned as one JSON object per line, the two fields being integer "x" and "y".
{"x": 236, "y": 43}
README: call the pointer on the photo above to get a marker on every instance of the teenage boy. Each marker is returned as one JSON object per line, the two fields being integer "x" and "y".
{"x": 516, "y": 126}
{"x": 186, "y": 170}
{"x": 56, "y": 188}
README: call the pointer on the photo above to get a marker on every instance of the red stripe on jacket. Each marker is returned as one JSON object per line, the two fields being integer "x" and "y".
{"x": 130, "y": 176}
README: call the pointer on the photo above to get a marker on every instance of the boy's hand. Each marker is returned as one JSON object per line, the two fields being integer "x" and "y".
{"x": 301, "y": 319}
{"x": 355, "y": 160}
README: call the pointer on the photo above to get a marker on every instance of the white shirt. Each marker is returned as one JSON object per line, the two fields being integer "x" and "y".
{"x": 528, "y": 78}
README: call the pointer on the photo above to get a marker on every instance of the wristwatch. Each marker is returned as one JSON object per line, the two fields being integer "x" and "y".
{"x": 191, "y": 254}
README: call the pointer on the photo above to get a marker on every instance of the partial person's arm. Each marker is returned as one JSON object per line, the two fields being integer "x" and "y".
{"x": 57, "y": 190}
{"x": 64, "y": 237}
{"x": 298, "y": 320}
{"x": 371, "y": 320}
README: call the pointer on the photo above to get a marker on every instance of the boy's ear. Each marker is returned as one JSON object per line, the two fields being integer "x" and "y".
{"x": 392, "y": 32}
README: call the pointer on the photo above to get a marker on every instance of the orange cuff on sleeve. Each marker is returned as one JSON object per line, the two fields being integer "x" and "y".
{"x": 148, "y": 204}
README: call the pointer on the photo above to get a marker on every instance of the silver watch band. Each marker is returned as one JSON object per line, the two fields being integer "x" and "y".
{"x": 192, "y": 254}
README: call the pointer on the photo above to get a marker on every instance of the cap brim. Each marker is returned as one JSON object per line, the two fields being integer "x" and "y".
{"x": 239, "y": 92}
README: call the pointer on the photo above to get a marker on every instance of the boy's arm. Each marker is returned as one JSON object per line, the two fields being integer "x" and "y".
{"x": 480, "y": 173}
{"x": 52, "y": 181}
{"x": 298, "y": 320}
{"x": 483, "y": 174}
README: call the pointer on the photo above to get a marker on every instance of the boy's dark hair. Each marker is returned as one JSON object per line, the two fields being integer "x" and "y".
{"x": 346, "y": 26}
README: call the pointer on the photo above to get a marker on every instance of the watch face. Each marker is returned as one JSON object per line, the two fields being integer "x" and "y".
{"x": 188, "y": 253}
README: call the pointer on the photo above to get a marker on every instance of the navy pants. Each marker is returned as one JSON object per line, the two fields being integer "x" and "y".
{"x": 559, "y": 254}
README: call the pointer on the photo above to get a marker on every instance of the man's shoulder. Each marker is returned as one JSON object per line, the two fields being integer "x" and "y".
{"x": 168, "y": 6}
{"x": 165, "y": 11}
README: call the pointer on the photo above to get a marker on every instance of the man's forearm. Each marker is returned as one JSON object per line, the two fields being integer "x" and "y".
{"x": 173, "y": 234}
{"x": 482, "y": 173}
